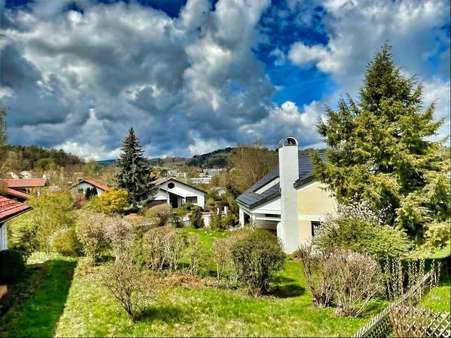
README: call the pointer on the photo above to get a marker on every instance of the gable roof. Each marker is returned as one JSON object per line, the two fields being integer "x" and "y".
{"x": 251, "y": 199}
{"x": 94, "y": 183}
{"x": 15, "y": 193}
{"x": 10, "y": 208}
{"x": 161, "y": 180}
{"x": 24, "y": 182}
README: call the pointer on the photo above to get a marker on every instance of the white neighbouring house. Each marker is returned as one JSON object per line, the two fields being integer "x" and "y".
{"x": 288, "y": 199}
{"x": 176, "y": 193}
{"x": 85, "y": 184}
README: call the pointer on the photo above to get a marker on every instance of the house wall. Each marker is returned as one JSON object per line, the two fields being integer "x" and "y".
{"x": 184, "y": 191}
{"x": 3, "y": 237}
{"x": 84, "y": 186}
{"x": 314, "y": 203}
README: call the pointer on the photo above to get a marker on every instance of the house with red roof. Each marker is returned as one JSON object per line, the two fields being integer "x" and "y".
{"x": 89, "y": 187}
{"x": 9, "y": 208}
{"x": 21, "y": 188}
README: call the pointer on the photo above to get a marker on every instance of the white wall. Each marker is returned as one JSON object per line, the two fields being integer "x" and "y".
{"x": 184, "y": 191}
{"x": 3, "y": 237}
{"x": 84, "y": 186}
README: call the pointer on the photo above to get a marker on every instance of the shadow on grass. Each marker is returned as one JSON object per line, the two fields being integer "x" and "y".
{"x": 164, "y": 313}
{"x": 282, "y": 279}
{"x": 287, "y": 291}
{"x": 39, "y": 300}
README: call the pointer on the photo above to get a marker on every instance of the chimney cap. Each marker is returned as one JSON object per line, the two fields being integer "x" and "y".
{"x": 288, "y": 141}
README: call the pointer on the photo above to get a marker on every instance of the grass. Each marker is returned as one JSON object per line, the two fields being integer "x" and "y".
{"x": 40, "y": 297}
{"x": 89, "y": 310}
{"x": 439, "y": 297}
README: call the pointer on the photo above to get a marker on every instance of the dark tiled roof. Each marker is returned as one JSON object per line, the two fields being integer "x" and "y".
{"x": 251, "y": 199}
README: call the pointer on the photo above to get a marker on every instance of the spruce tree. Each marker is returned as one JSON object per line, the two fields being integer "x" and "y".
{"x": 380, "y": 150}
{"x": 134, "y": 173}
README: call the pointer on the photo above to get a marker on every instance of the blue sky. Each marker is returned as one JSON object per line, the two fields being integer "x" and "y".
{"x": 193, "y": 76}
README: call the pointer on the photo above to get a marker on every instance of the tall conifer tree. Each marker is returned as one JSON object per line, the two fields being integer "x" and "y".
{"x": 3, "y": 134}
{"x": 134, "y": 173}
{"x": 380, "y": 150}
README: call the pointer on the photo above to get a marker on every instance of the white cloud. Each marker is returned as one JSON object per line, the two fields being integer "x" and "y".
{"x": 358, "y": 29}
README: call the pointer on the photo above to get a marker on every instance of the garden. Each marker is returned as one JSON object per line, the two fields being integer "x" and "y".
{"x": 93, "y": 272}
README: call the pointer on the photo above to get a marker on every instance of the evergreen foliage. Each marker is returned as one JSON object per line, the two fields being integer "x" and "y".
{"x": 134, "y": 173}
{"x": 380, "y": 150}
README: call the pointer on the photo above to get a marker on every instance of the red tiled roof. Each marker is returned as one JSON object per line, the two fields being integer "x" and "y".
{"x": 16, "y": 193}
{"x": 95, "y": 183}
{"x": 9, "y": 208}
{"x": 24, "y": 182}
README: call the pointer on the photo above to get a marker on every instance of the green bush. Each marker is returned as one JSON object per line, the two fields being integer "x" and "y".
{"x": 111, "y": 202}
{"x": 437, "y": 235}
{"x": 256, "y": 255}
{"x": 51, "y": 212}
{"x": 196, "y": 219}
{"x": 64, "y": 241}
{"x": 12, "y": 266}
{"x": 363, "y": 236}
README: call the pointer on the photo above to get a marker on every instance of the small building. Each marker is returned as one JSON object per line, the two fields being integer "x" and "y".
{"x": 9, "y": 208}
{"x": 89, "y": 187}
{"x": 288, "y": 200}
{"x": 176, "y": 193}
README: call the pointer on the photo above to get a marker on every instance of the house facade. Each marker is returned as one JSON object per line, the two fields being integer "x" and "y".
{"x": 87, "y": 186}
{"x": 288, "y": 199}
{"x": 22, "y": 188}
{"x": 176, "y": 193}
{"x": 9, "y": 208}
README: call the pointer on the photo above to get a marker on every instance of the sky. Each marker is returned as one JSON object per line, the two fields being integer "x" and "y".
{"x": 197, "y": 75}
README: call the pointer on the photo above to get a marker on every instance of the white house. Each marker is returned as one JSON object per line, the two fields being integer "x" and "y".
{"x": 288, "y": 199}
{"x": 176, "y": 193}
{"x": 86, "y": 184}
{"x": 8, "y": 209}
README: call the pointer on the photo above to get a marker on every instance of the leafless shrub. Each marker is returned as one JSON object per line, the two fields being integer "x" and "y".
{"x": 194, "y": 252}
{"x": 121, "y": 233}
{"x": 91, "y": 233}
{"x": 125, "y": 282}
{"x": 159, "y": 215}
{"x": 355, "y": 280}
{"x": 162, "y": 248}
{"x": 317, "y": 273}
{"x": 222, "y": 257}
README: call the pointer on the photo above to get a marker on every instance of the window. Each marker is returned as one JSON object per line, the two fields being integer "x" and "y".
{"x": 171, "y": 185}
{"x": 191, "y": 199}
{"x": 315, "y": 227}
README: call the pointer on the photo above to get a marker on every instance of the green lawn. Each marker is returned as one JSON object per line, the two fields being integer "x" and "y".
{"x": 87, "y": 309}
{"x": 439, "y": 297}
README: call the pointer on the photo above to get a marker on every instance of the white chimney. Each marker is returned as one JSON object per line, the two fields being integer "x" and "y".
{"x": 287, "y": 230}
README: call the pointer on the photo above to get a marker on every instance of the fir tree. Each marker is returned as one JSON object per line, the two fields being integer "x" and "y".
{"x": 380, "y": 150}
{"x": 134, "y": 173}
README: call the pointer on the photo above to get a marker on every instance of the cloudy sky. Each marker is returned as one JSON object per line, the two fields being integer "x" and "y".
{"x": 193, "y": 76}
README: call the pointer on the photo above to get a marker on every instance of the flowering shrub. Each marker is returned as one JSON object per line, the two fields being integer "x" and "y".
{"x": 111, "y": 202}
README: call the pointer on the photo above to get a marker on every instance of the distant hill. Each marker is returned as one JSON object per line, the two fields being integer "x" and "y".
{"x": 33, "y": 157}
{"x": 216, "y": 159}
